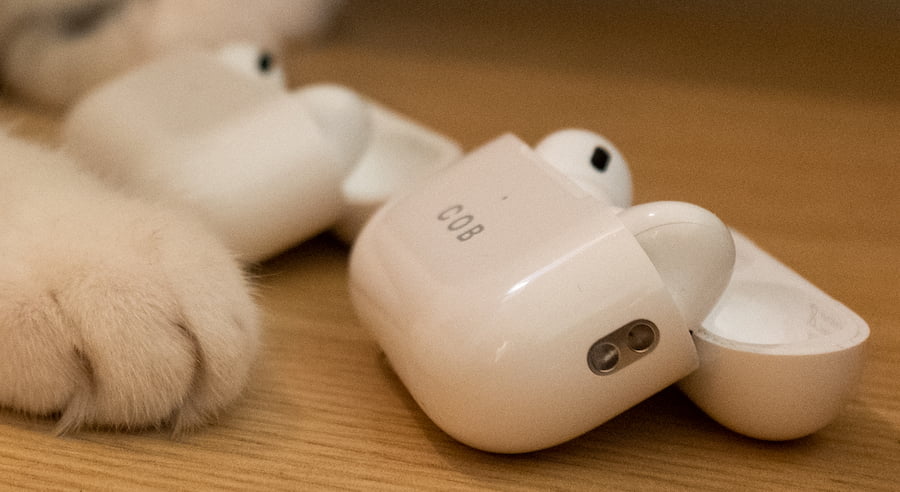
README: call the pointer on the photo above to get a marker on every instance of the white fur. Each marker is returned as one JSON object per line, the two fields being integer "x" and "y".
{"x": 44, "y": 59}
{"x": 114, "y": 312}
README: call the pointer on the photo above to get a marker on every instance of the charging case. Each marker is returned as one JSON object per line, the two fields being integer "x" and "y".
{"x": 487, "y": 285}
{"x": 779, "y": 358}
{"x": 265, "y": 168}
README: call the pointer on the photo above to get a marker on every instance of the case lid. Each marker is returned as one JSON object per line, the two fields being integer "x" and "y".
{"x": 778, "y": 356}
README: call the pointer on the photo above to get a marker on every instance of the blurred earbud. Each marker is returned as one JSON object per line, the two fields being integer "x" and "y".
{"x": 252, "y": 61}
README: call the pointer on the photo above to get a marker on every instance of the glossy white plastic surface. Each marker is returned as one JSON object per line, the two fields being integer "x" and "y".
{"x": 572, "y": 151}
{"x": 779, "y": 358}
{"x": 691, "y": 249}
{"x": 265, "y": 167}
{"x": 487, "y": 287}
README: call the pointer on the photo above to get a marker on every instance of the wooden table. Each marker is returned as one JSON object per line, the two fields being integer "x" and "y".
{"x": 785, "y": 122}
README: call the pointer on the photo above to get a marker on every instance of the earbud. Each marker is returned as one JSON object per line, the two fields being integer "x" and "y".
{"x": 590, "y": 161}
{"x": 265, "y": 168}
{"x": 520, "y": 306}
{"x": 251, "y": 61}
{"x": 690, "y": 247}
{"x": 692, "y": 251}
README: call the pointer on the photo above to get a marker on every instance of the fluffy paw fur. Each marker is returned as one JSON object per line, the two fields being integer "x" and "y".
{"x": 113, "y": 312}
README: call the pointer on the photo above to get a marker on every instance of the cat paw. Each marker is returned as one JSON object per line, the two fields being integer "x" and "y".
{"x": 119, "y": 314}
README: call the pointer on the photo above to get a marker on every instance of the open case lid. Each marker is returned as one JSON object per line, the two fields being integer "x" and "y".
{"x": 778, "y": 357}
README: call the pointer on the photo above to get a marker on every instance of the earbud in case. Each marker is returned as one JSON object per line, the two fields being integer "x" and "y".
{"x": 523, "y": 304}
{"x": 521, "y": 310}
{"x": 218, "y": 134}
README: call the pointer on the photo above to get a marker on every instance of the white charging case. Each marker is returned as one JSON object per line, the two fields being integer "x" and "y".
{"x": 779, "y": 358}
{"x": 488, "y": 286}
{"x": 264, "y": 167}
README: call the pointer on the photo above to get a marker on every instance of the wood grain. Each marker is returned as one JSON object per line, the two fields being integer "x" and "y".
{"x": 784, "y": 120}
